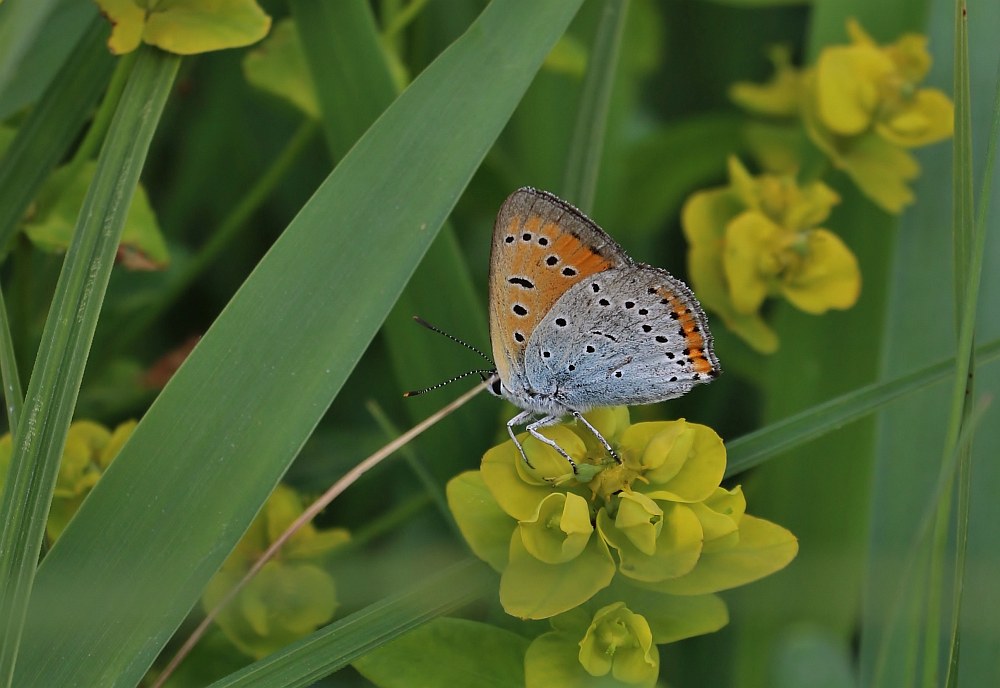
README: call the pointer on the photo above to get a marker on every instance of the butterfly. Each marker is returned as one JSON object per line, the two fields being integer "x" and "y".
{"x": 576, "y": 324}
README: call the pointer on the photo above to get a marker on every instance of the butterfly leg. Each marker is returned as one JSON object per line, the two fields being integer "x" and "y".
{"x": 545, "y": 422}
{"x": 598, "y": 435}
{"x": 520, "y": 418}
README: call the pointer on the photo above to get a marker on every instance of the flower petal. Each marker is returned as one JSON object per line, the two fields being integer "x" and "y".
{"x": 928, "y": 117}
{"x": 532, "y": 589}
{"x": 847, "y": 86}
{"x": 762, "y": 549}
{"x": 483, "y": 523}
{"x": 695, "y": 465}
{"x": 678, "y": 545}
{"x": 560, "y": 529}
{"x": 828, "y": 277}
{"x": 750, "y": 259}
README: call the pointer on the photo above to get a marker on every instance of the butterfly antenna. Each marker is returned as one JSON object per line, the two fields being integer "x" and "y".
{"x": 432, "y": 328}
{"x": 485, "y": 374}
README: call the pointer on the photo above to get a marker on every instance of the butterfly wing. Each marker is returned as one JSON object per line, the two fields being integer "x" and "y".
{"x": 542, "y": 247}
{"x": 632, "y": 335}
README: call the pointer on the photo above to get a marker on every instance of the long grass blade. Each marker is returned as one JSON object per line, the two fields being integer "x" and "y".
{"x": 963, "y": 389}
{"x": 755, "y": 448}
{"x": 13, "y": 394}
{"x": 69, "y": 330}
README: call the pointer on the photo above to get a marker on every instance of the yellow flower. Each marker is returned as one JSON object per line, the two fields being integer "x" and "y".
{"x": 865, "y": 86}
{"x": 89, "y": 449}
{"x": 619, "y": 642}
{"x": 777, "y": 98}
{"x": 291, "y": 595}
{"x": 758, "y": 238}
{"x": 862, "y": 105}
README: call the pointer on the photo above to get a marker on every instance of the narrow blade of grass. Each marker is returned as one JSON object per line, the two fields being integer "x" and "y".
{"x": 758, "y": 446}
{"x": 20, "y": 24}
{"x": 69, "y": 330}
{"x": 964, "y": 378}
{"x": 13, "y": 394}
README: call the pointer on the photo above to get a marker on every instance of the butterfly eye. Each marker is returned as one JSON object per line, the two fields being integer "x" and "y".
{"x": 495, "y": 387}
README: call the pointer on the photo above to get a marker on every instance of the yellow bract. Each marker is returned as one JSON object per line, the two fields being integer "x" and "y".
{"x": 185, "y": 27}
{"x": 291, "y": 595}
{"x": 758, "y": 238}
{"x": 89, "y": 449}
{"x": 861, "y": 105}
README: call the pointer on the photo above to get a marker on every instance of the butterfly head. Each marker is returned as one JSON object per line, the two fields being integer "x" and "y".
{"x": 492, "y": 381}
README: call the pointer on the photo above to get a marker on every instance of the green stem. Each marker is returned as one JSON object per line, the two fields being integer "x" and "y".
{"x": 587, "y": 146}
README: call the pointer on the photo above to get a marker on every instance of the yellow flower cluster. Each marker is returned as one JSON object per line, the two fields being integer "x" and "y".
{"x": 758, "y": 237}
{"x": 862, "y": 105}
{"x": 619, "y": 557}
{"x": 90, "y": 447}
{"x": 292, "y": 595}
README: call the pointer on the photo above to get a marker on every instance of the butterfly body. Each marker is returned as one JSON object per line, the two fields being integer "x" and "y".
{"x": 576, "y": 324}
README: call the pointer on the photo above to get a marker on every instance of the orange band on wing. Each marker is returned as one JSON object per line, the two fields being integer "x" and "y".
{"x": 691, "y": 332}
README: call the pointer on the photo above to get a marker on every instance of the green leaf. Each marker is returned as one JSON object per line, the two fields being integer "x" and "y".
{"x": 583, "y": 162}
{"x": 278, "y": 66}
{"x": 284, "y": 345}
{"x": 51, "y": 228}
{"x": 63, "y": 27}
{"x": 20, "y": 25}
{"x": 916, "y": 427}
{"x": 184, "y": 27}
{"x": 448, "y": 652}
